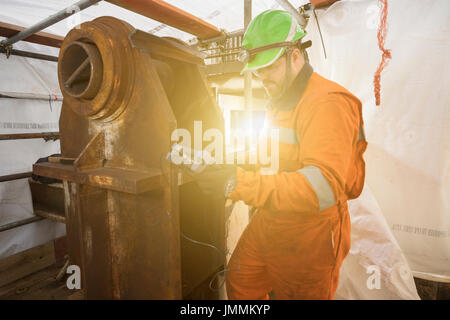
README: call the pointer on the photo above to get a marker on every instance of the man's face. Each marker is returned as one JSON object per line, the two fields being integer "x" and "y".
{"x": 273, "y": 76}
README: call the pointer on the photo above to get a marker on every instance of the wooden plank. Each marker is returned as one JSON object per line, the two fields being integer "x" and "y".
{"x": 19, "y": 288}
{"x": 168, "y": 14}
{"x": 7, "y": 30}
{"x": 78, "y": 295}
{"x": 40, "y": 285}
{"x": 26, "y": 262}
{"x": 322, "y": 3}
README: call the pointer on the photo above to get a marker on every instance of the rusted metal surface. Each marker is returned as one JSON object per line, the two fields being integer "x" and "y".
{"x": 125, "y": 92}
{"x": 8, "y": 30}
{"x": 61, "y": 160}
{"x": 44, "y": 135}
{"x": 124, "y": 180}
{"x": 168, "y": 14}
{"x": 81, "y": 62}
{"x": 165, "y": 48}
{"x": 48, "y": 200}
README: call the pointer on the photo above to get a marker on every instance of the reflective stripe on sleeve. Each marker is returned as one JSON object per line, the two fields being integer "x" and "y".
{"x": 361, "y": 134}
{"x": 320, "y": 186}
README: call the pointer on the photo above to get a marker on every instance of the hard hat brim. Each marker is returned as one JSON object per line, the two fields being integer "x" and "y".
{"x": 263, "y": 59}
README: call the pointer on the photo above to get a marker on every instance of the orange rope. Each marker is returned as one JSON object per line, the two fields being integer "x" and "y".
{"x": 382, "y": 29}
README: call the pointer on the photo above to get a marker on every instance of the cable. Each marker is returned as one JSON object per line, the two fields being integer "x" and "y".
{"x": 204, "y": 244}
{"x": 217, "y": 274}
{"x": 213, "y": 278}
{"x": 218, "y": 250}
{"x": 222, "y": 253}
{"x": 320, "y": 32}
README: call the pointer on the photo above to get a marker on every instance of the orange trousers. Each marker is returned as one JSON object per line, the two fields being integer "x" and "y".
{"x": 295, "y": 256}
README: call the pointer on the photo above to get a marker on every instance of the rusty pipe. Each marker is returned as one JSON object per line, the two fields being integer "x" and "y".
{"x": 81, "y": 70}
{"x": 96, "y": 67}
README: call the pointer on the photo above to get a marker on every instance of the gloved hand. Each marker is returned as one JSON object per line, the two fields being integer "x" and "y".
{"x": 215, "y": 180}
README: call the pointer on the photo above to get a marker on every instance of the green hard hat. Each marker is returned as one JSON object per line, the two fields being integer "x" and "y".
{"x": 271, "y": 27}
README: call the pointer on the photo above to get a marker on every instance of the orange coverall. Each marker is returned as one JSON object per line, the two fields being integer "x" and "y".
{"x": 300, "y": 233}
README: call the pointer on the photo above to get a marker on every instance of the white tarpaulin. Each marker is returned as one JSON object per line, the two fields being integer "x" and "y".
{"x": 408, "y": 169}
{"x": 408, "y": 157}
{"x": 375, "y": 267}
{"x": 21, "y": 75}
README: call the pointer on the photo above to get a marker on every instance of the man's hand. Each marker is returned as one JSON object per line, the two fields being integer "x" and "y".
{"x": 217, "y": 180}
{"x": 213, "y": 179}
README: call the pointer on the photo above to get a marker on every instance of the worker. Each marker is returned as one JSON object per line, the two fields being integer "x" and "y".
{"x": 296, "y": 241}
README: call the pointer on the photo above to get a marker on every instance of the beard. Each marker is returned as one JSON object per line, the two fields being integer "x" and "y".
{"x": 272, "y": 88}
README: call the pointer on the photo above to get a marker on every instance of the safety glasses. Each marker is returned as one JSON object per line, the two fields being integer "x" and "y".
{"x": 247, "y": 55}
{"x": 258, "y": 72}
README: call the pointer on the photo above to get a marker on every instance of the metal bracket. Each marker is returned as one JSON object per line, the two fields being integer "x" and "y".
{"x": 6, "y": 49}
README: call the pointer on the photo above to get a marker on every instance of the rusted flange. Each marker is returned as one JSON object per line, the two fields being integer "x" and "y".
{"x": 81, "y": 70}
{"x": 102, "y": 90}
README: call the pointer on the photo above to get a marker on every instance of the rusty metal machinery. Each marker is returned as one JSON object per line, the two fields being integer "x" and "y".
{"x": 125, "y": 91}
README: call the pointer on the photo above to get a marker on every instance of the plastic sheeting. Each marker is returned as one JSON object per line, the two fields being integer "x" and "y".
{"x": 375, "y": 267}
{"x": 408, "y": 157}
{"x": 25, "y": 116}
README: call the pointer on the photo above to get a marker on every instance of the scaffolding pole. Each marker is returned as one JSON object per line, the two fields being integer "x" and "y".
{"x": 44, "y": 135}
{"x": 15, "y": 176}
{"x": 31, "y": 96}
{"x": 286, "y": 5}
{"x": 60, "y": 15}
{"x": 27, "y": 54}
{"x": 248, "y": 75}
{"x": 8, "y": 30}
{"x": 19, "y": 223}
